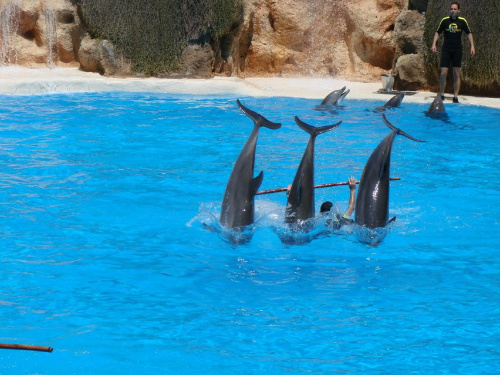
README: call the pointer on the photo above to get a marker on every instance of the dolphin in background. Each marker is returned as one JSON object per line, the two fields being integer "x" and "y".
{"x": 300, "y": 204}
{"x": 372, "y": 203}
{"x": 437, "y": 106}
{"x": 335, "y": 97}
{"x": 437, "y": 111}
{"x": 393, "y": 102}
{"x": 238, "y": 208}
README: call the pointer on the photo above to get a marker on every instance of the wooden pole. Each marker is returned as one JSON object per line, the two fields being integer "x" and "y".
{"x": 26, "y": 347}
{"x": 278, "y": 190}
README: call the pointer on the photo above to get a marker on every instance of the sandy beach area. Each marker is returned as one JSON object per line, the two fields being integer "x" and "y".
{"x": 24, "y": 81}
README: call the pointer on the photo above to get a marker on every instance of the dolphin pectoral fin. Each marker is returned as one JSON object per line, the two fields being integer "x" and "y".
{"x": 258, "y": 119}
{"x": 255, "y": 183}
{"x": 391, "y": 220}
{"x": 313, "y": 130}
{"x": 399, "y": 131}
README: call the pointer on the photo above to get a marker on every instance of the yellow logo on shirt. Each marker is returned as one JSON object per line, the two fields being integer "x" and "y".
{"x": 453, "y": 28}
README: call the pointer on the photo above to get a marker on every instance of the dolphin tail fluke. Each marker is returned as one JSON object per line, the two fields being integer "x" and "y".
{"x": 259, "y": 120}
{"x": 255, "y": 183}
{"x": 313, "y": 130}
{"x": 399, "y": 131}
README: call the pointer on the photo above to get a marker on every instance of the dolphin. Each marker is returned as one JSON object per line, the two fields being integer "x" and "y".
{"x": 437, "y": 111}
{"x": 372, "y": 203}
{"x": 238, "y": 208}
{"x": 393, "y": 102}
{"x": 335, "y": 97}
{"x": 437, "y": 106}
{"x": 300, "y": 204}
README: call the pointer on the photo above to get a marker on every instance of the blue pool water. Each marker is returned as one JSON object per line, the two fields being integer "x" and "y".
{"x": 106, "y": 258}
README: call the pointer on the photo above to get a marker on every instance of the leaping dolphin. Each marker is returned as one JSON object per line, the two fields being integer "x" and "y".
{"x": 335, "y": 97}
{"x": 372, "y": 203}
{"x": 393, "y": 102}
{"x": 238, "y": 203}
{"x": 300, "y": 204}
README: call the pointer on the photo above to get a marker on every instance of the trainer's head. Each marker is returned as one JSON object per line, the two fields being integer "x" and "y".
{"x": 326, "y": 206}
{"x": 454, "y": 9}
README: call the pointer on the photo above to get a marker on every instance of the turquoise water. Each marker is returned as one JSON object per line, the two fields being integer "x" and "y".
{"x": 105, "y": 256}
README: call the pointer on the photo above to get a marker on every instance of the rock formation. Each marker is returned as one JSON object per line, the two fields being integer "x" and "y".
{"x": 409, "y": 55}
{"x": 355, "y": 39}
{"x": 287, "y": 38}
{"x": 39, "y": 33}
{"x": 329, "y": 38}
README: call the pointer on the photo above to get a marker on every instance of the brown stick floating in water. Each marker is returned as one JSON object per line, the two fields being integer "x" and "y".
{"x": 26, "y": 347}
{"x": 278, "y": 190}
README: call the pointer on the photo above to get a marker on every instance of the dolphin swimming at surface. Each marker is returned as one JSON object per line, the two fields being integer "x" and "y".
{"x": 300, "y": 204}
{"x": 238, "y": 208}
{"x": 335, "y": 97}
{"x": 437, "y": 105}
{"x": 393, "y": 102}
{"x": 372, "y": 203}
{"x": 437, "y": 111}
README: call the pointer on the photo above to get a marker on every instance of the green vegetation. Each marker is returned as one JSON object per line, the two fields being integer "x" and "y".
{"x": 154, "y": 33}
{"x": 483, "y": 18}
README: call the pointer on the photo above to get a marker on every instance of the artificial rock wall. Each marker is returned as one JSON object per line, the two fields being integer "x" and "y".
{"x": 352, "y": 39}
{"x": 39, "y": 33}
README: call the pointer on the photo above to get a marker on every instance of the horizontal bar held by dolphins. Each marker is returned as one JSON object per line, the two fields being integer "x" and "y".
{"x": 26, "y": 347}
{"x": 279, "y": 190}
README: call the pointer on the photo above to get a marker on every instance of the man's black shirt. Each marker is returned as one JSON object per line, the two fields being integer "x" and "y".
{"x": 453, "y": 32}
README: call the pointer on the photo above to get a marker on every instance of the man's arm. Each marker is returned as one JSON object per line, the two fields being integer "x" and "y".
{"x": 471, "y": 42}
{"x": 436, "y": 37}
{"x": 352, "y": 189}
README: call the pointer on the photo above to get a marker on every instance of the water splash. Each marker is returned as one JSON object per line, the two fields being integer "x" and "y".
{"x": 9, "y": 23}
{"x": 50, "y": 35}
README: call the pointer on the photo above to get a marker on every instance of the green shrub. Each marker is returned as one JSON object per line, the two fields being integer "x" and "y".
{"x": 152, "y": 34}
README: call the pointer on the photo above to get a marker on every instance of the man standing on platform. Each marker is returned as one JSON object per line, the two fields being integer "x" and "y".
{"x": 452, "y": 27}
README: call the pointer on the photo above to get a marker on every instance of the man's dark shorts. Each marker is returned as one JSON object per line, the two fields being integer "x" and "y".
{"x": 453, "y": 57}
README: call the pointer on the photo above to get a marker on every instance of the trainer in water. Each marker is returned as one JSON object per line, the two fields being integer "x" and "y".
{"x": 344, "y": 219}
{"x": 451, "y": 53}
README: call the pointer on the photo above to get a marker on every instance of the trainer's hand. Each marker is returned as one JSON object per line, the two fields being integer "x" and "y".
{"x": 352, "y": 183}
{"x": 434, "y": 49}
{"x": 472, "y": 51}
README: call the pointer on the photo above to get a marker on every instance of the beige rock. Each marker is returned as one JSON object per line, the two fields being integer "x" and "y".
{"x": 98, "y": 55}
{"x": 46, "y": 33}
{"x": 325, "y": 38}
{"x": 196, "y": 62}
{"x": 410, "y": 72}
{"x": 355, "y": 39}
{"x": 410, "y": 62}
{"x": 409, "y": 32}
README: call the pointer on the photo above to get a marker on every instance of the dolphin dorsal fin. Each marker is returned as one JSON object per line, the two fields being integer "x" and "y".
{"x": 399, "y": 131}
{"x": 313, "y": 130}
{"x": 258, "y": 119}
